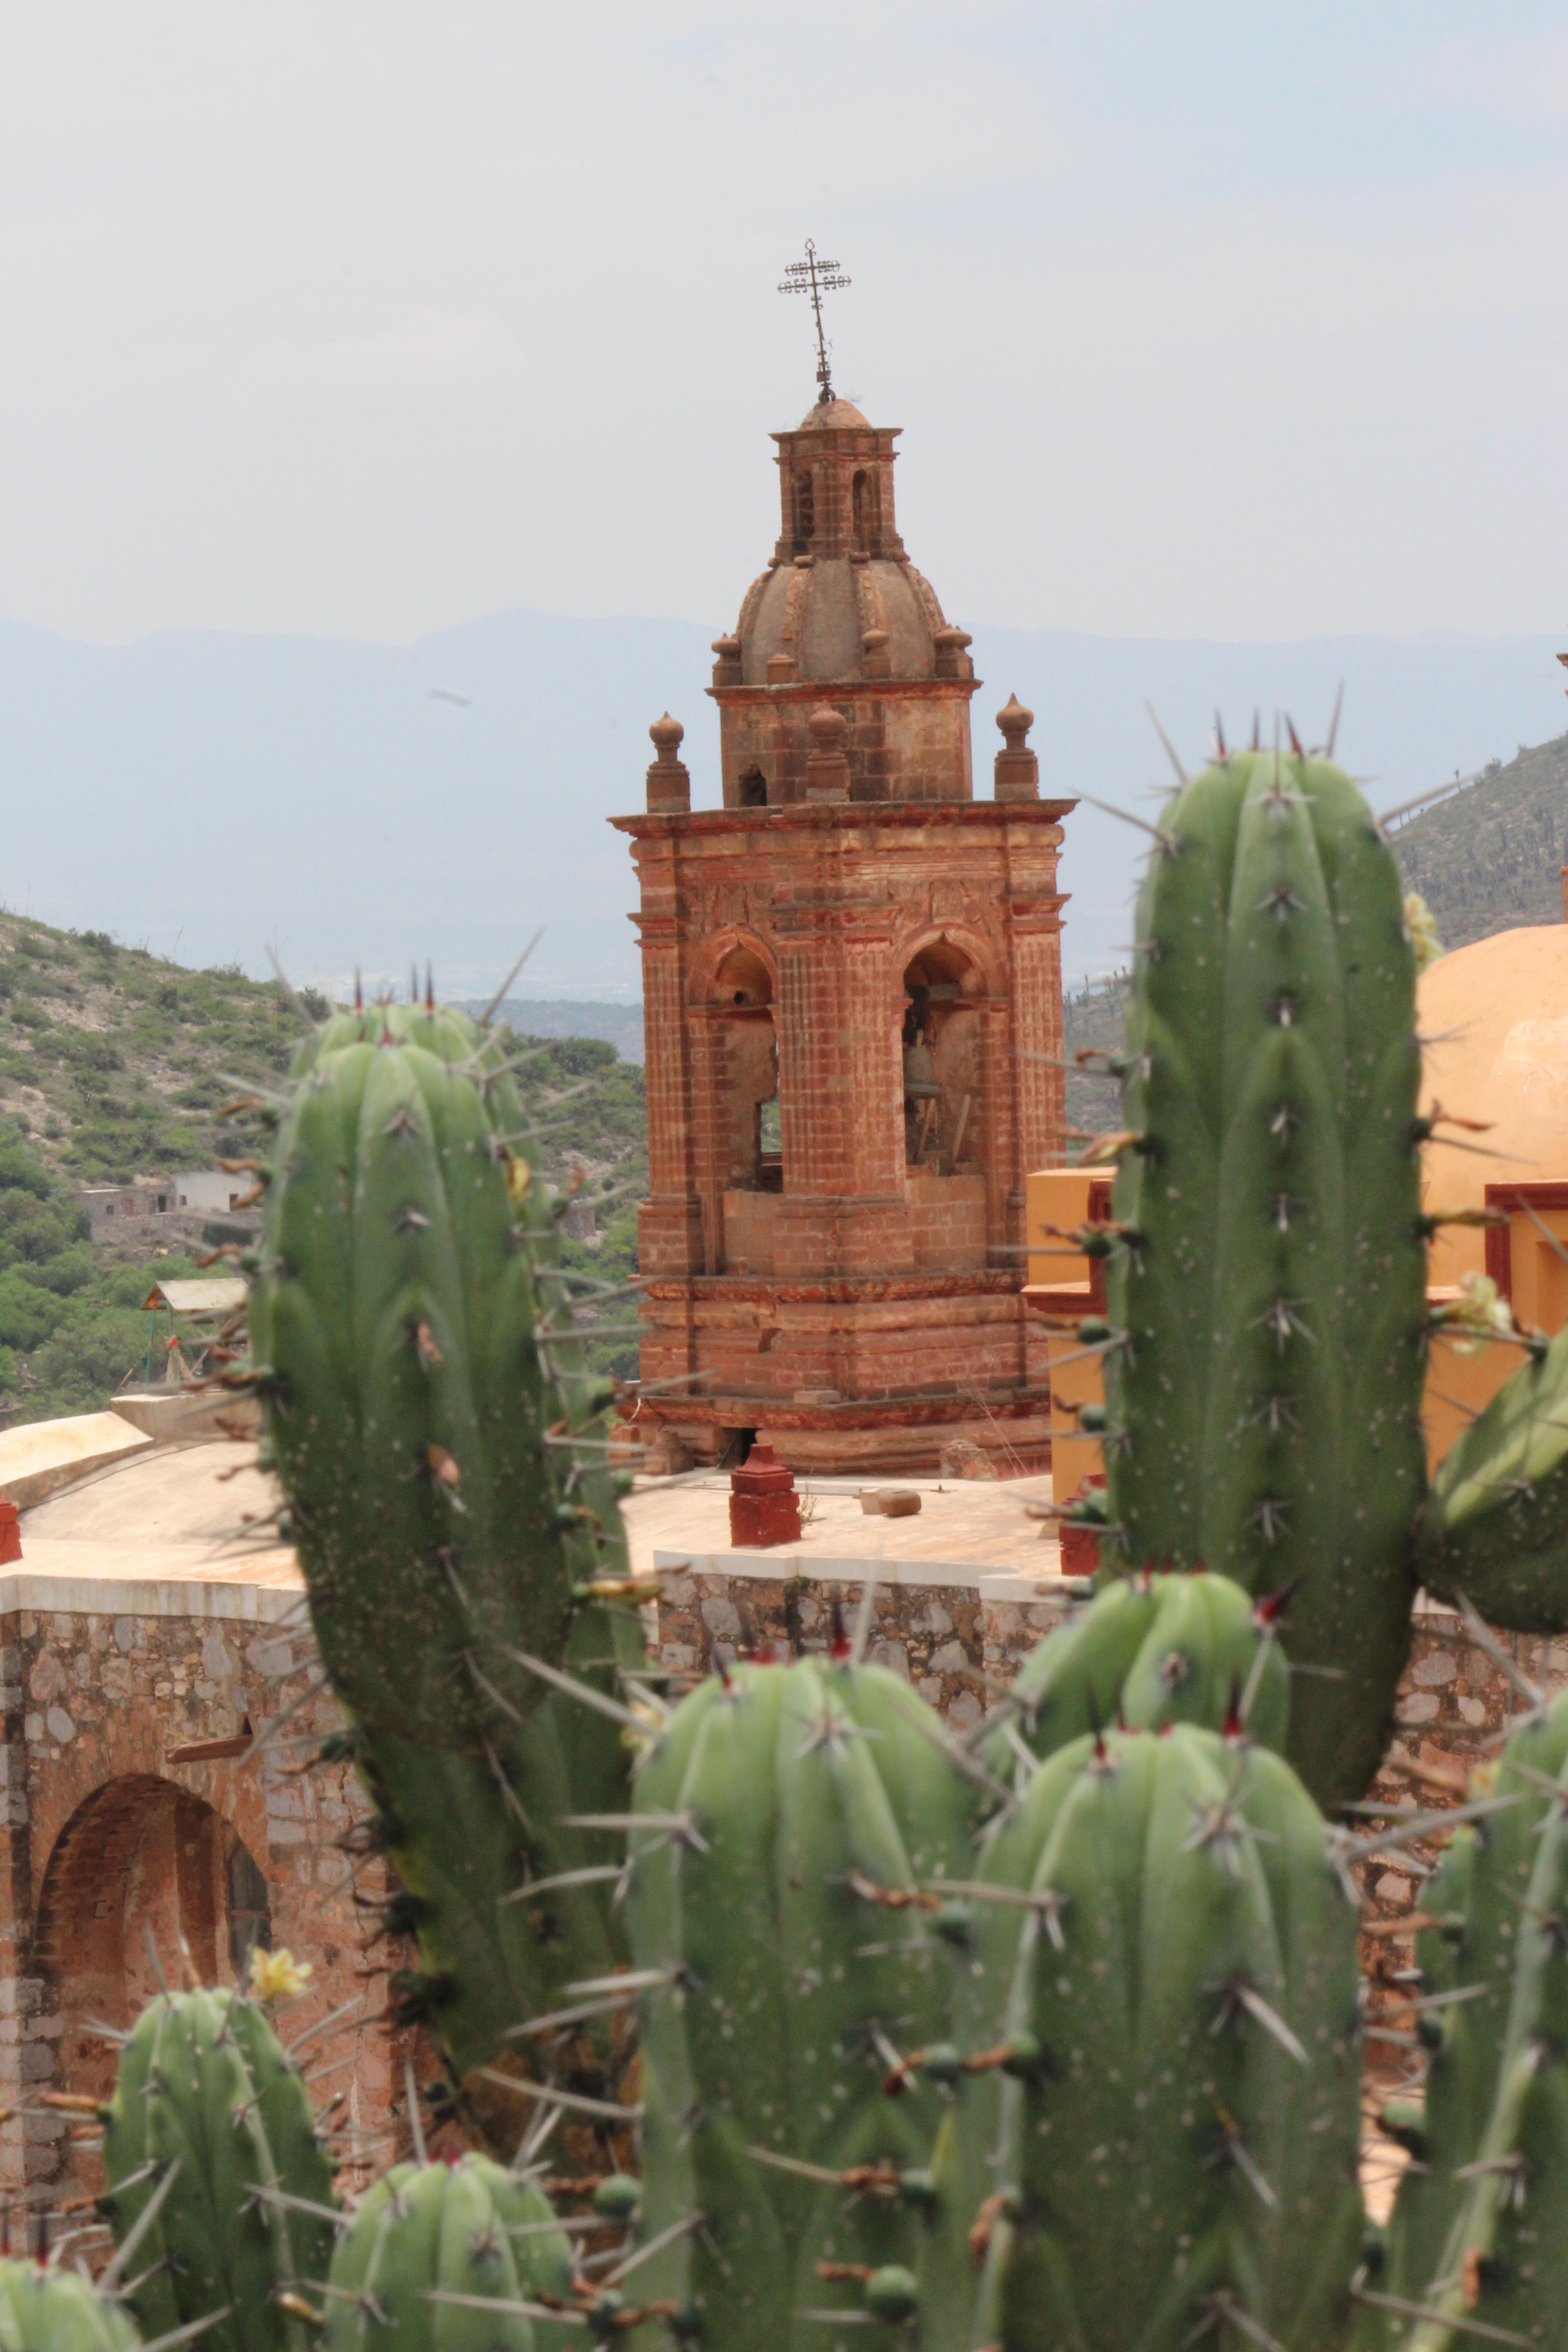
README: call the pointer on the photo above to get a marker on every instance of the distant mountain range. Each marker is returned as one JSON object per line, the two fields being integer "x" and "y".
{"x": 620, "y": 1025}
{"x": 211, "y": 796}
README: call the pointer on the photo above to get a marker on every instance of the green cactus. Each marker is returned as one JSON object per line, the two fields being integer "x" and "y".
{"x": 435, "y": 1429}
{"x": 46, "y": 2309}
{"x": 1496, "y": 1523}
{"x": 1266, "y": 1287}
{"x": 791, "y": 1823}
{"x": 1173, "y": 2022}
{"x": 1266, "y": 1339}
{"x": 1147, "y": 1651}
{"x": 1478, "y": 2227}
{"x": 211, "y": 2125}
{"x": 394, "y": 1322}
{"x": 426, "y": 2231}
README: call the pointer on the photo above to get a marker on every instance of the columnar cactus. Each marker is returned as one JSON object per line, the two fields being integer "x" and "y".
{"x": 1147, "y": 1651}
{"x": 1267, "y": 1351}
{"x": 1267, "y": 1287}
{"x": 44, "y": 2308}
{"x": 1478, "y": 2227}
{"x": 211, "y": 2125}
{"x": 1175, "y": 2016}
{"x": 434, "y": 1425}
{"x": 450, "y": 2258}
{"x": 794, "y": 1826}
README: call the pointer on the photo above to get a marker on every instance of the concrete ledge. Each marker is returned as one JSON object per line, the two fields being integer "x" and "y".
{"x": 105, "y": 1596}
{"x": 42, "y": 1456}
{"x": 786, "y": 1567}
{"x": 187, "y": 1413}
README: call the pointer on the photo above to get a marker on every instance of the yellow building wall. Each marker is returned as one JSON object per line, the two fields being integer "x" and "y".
{"x": 1062, "y": 1287}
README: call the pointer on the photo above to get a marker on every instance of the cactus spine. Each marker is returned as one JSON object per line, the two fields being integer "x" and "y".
{"x": 210, "y": 2119}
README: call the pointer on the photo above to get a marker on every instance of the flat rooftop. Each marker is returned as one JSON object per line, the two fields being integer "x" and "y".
{"x": 185, "y": 1528}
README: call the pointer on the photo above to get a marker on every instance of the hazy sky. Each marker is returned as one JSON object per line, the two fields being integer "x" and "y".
{"x": 1218, "y": 318}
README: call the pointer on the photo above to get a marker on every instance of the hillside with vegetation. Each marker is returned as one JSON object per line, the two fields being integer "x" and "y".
{"x": 1489, "y": 857}
{"x": 115, "y": 1064}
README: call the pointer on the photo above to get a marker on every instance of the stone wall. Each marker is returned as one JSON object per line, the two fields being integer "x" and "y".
{"x": 113, "y": 1850}
{"x": 1453, "y": 1710}
{"x": 947, "y": 1640}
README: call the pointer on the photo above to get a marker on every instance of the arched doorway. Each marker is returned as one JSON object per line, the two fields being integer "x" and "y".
{"x": 142, "y": 1867}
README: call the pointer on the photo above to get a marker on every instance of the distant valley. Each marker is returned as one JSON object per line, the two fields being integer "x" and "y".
{"x": 345, "y": 804}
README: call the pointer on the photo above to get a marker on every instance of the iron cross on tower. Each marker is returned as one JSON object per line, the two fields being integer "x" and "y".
{"x": 815, "y": 276}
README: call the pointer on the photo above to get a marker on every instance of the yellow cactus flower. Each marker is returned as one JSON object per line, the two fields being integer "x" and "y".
{"x": 1421, "y": 931}
{"x": 1471, "y": 1319}
{"x": 279, "y": 1976}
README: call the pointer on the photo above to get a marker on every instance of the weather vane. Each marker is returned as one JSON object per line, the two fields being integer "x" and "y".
{"x": 815, "y": 276}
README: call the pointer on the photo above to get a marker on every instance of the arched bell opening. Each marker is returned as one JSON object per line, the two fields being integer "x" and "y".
{"x": 747, "y": 1058}
{"x": 862, "y": 497}
{"x": 943, "y": 1127}
{"x": 143, "y": 1874}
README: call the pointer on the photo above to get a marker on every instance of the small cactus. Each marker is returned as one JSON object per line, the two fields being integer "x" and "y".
{"x": 211, "y": 2126}
{"x": 44, "y": 2308}
{"x": 449, "y": 2257}
{"x": 1147, "y": 1651}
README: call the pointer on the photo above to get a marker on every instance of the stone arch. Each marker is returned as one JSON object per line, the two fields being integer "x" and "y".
{"x": 716, "y": 951}
{"x": 740, "y": 989}
{"x": 945, "y": 978}
{"x": 142, "y": 1863}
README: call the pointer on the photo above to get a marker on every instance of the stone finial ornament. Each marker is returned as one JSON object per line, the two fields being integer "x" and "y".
{"x": 1018, "y": 768}
{"x": 827, "y": 768}
{"x": 668, "y": 779}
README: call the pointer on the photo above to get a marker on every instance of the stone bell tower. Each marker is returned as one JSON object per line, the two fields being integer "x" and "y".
{"x": 852, "y": 991}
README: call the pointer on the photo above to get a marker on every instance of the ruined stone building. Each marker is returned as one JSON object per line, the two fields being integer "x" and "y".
{"x": 852, "y": 994}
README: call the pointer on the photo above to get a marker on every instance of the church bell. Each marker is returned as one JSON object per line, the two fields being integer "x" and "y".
{"x": 920, "y": 1074}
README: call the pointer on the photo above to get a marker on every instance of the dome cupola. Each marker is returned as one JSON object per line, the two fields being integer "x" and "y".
{"x": 842, "y": 615}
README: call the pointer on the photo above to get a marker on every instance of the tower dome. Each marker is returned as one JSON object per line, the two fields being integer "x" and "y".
{"x": 841, "y": 608}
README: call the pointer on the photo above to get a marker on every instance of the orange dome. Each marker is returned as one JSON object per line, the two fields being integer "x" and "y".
{"x": 1496, "y": 1012}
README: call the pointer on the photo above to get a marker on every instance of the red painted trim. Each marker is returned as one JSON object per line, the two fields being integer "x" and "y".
{"x": 1548, "y": 1193}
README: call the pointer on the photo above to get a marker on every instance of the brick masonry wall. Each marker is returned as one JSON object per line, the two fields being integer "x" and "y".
{"x": 107, "y": 1843}
{"x": 835, "y": 904}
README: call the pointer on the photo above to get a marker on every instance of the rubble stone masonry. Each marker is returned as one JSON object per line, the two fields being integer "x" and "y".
{"x": 115, "y": 1853}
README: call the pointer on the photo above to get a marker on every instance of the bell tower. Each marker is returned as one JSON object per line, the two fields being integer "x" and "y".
{"x": 852, "y": 1000}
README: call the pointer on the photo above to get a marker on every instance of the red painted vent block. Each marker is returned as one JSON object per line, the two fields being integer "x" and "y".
{"x": 763, "y": 1505}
